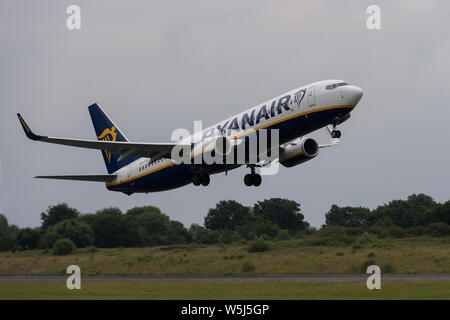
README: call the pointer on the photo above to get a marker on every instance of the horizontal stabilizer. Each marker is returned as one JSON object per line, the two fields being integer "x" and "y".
{"x": 83, "y": 177}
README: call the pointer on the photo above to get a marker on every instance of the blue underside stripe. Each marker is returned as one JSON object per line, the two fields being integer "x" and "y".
{"x": 178, "y": 175}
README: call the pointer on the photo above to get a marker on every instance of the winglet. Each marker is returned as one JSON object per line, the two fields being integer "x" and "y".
{"x": 27, "y": 129}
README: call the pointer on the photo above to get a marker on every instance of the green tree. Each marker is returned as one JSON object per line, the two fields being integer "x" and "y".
{"x": 57, "y": 213}
{"x": 421, "y": 201}
{"x": 111, "y": 210}
{"x": 415, "y": 211}
{"x": 7, "y": 234}
{"x": 384, "y": 222}
{"x": 109, "y": 229}
{"x": 202, "y": 235}
{"x": 227, "y": 215}
{"x": 229, "y": 236}
{"x": 440, "y": 213}
{"x": 438, "y": 229}
{"x": 267, "y": 228}
{"x": 140, "y": 226}
{"x": 282, "y": 212}
{"x": 76, "y": 230}
{"x": 347, "y": 216}
{"x": 3, "y": 223}
{"x": 422, "y": 205}
{"x": 28, "y": 238}
{"x": 153, "y": 228}
{"x": 131, "y": 236}
{"x": 137, "y": 235}
{"x": 333, "y": 236}
{"x": 400, "y": 212}
{"x": 48, "y": 238}
{"x": 177, "y": 233}
{"x": 139, "y": 210}
{"x": 63, "y": 247}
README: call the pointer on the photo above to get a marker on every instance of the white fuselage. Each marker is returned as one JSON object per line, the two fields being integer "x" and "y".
{"x": 306, "y": 103}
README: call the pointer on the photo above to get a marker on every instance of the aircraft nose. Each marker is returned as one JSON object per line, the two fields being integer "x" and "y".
{"x": 354, "y": 94}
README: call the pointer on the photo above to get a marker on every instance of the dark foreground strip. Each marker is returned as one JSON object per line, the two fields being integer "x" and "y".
{"x": 225, "y": 309}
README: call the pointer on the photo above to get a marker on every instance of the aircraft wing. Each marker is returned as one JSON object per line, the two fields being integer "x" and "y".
{"x": 83, "y": 177}
{"x": 329, "y": 144}
{"x": 154, "y": 151}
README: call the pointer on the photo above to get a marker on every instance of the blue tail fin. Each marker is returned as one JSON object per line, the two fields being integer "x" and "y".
{"x": 106, "y": 130}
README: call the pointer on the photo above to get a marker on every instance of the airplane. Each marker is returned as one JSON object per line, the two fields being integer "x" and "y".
{"x": 142, "y": 167}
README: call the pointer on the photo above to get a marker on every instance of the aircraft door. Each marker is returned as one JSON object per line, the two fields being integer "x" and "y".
{"x": 130, "y": 174}
{"x": 311, "y": 96}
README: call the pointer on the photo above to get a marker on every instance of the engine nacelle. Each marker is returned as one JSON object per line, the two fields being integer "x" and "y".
{"x": 298, "y": 152}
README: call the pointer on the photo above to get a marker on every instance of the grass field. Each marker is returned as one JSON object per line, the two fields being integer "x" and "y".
{"x": 403, "y": 256}
{"x": 225, "y": 289}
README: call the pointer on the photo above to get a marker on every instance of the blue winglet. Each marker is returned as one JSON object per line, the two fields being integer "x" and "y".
{"x": 27, "y": 129}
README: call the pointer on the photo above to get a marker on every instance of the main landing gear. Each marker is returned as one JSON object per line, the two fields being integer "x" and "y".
{"x": 335, "y": 133}
{"x": 201, "y": 178}
{"x": 252, "y": 179}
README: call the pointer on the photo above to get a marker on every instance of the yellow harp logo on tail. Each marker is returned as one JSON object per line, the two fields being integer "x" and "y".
{"x": 108, "y": 135}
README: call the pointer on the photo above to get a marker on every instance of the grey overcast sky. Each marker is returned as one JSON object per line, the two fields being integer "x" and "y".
{"x": 158, "y": 65}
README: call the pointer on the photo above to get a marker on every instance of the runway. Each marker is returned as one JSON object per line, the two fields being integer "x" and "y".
{"x": 354, "y": 277}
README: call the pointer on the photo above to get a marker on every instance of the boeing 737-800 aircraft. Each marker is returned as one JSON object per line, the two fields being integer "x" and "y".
{"x": 149, "y": 167}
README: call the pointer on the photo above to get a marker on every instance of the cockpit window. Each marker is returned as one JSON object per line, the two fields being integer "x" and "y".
{"x": 335, "y": 85}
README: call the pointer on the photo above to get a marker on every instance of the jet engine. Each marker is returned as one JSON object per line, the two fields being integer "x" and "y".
{"x": 298, "y": 151}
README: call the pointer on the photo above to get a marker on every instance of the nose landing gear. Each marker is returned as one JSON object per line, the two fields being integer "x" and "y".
{"x": 335, "y": 134}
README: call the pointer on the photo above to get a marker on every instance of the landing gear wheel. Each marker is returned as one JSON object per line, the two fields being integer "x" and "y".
{"x": 335, "y": 134}
{"x": 205, "y": 179}
{"x": 196, "y": 180}
{"x": 252, "y": 180}
{"x": 256, "y": 180}
{"x": 201, "y": 178}
{"x": 248, "y": 180}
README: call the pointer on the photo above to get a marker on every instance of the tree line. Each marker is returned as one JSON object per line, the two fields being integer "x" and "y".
{"x": 228, "y": 222}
